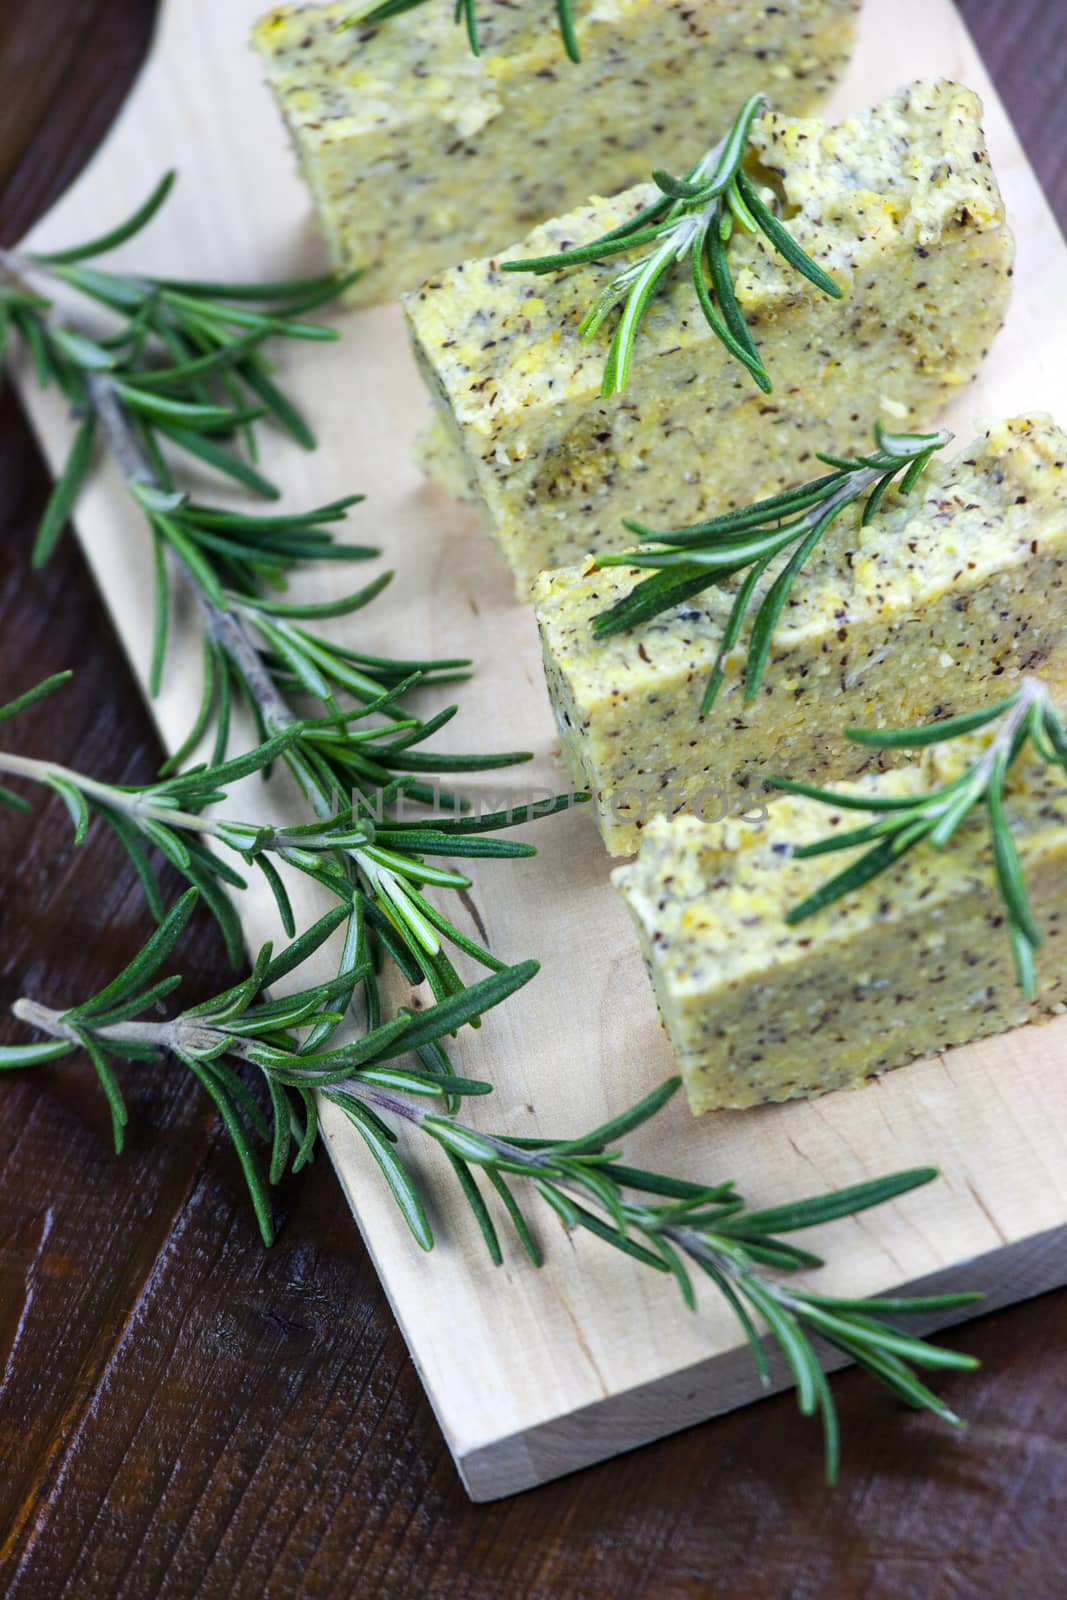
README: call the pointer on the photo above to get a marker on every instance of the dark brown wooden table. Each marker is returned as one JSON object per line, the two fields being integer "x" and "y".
{"x": 182, "y": 1413}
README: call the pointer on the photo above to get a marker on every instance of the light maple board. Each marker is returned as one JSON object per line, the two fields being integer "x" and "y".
{"x": 532, "y": 1373}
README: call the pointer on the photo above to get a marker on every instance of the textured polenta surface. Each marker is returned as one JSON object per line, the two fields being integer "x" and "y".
{"x": 419, "y": 154}
{"x": 899, "y": 205}
{"x": 932, "y": 609}
{"x": 916, "y": 961}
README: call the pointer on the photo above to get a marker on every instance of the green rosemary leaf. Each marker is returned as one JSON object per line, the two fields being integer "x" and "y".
{"x": 130, "y": 839}
{"x": 473, "y": 1197}
{"x": 722, "y": 283}
{"x": 115, "y": 236}
{"x": 649, "y": 599}
{"x": 281, "y": 1132}
{"x": 403, "y": 1190}
{"x": 618, "y": 1127}
{"x": 30, "y": 329}
{"x": 472, "y": 1002}
{"x": 139, "y": 1003}
{"x": 583, "y": 1218}
{"x": 933, "y": 733}
{"x": 144, "y": 965}
{"x": 740, "y": 1311}
{"x": 771, "y": 609}
{"x": 427, "y": 761}
{"x": 245, "y": 1154}
{"x": 13, "y": 1056}
{"x": 853, "y": 877}
{"x": 842, "y": 800}
{"x": 218, "y": 314}
{"x": 39, "y": 691}
{"x": 321, "y": 609}
{"x": 783, "y": 241}
{"x": 719, "y": 328}
{"x": 845, "y": 1202}
{"x": 81, "y": 352}
{"x": 284, "y": 290}
{"x": 109, "y": 1084}
{"x": 892, "y": 1372}
{"x": 518, "y": 1221}
{"x": 422, "y": 1083}
{"x": 204, "y": 366}
{"x": 798, "y": 1351}
{"x": 223, "y": 461}
{"x": 916, "y": 1351}
{"x": 164, "y": 408}
{"x": 1006, "y": 858}
{"x": 899, "y": 1304}
{"x": 278, "y": 890}
{"x": 160, "y": 615}
{"x": 232, "y": 1085}
{"x": 661, "y": 1184}
{"x": 221, "y": 907}
{"x": 676, "y": 1267}
{"x": 75, "y": 803}
{"x": 306, "y": 1151}
{"x": 276, "y": 402}
{"x": 738, "y": 613}
{"x": 14, "y": 801}
{"x": 831, "y": 1433}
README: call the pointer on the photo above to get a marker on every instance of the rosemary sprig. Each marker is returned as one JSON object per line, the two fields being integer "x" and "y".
{"x": 687, "y": 561}
{"x": 184, "y": 361}
{"x": 465, "y": 13}
{"x": 1027, "y": 719}
{"x": 668, "y": 1224}
{"x": 245, "y": 1026}
{"x": 259, "y": 650}
{"x": 381, "y": 864}
{"x": 693, "y": 222}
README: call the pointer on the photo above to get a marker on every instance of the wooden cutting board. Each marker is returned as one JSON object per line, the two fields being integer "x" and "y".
{"x": 533, "y": 1374}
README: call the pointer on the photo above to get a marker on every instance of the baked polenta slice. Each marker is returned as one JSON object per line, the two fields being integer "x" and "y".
{"x": 933, "y": 608}
{"x": 419, "y": 153}
{"x": 910, "y": 963}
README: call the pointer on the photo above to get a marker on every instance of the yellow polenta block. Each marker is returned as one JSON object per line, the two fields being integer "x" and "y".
{"x": 917, "y": 960}
{"x": 934, "y": 608}
{"x": 898, "y": 204}
{"x": 418, "y": 153}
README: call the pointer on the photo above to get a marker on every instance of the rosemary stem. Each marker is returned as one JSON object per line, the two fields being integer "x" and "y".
{"x": 180, "y": 1034}
{"x": 131, "y": 805}
{"x": 225, "y": 627}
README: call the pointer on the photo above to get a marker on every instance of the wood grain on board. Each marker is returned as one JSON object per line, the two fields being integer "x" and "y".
{"x": 595, "y": 1341}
